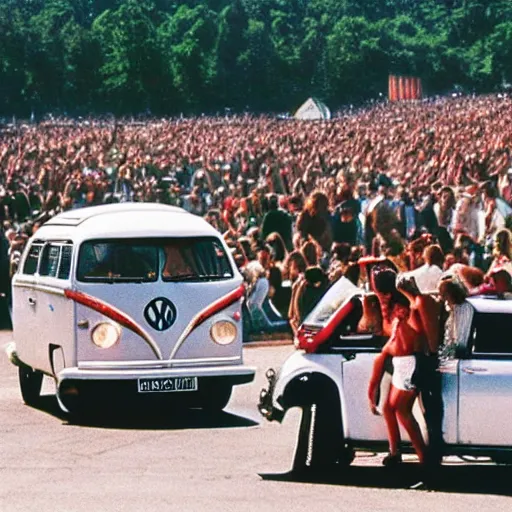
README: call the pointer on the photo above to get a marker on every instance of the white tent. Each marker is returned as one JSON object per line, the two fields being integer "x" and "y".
{"x": 313, "y": 110}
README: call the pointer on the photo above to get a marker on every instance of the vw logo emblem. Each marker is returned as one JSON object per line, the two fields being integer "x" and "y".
{"x": 160, "y": 314}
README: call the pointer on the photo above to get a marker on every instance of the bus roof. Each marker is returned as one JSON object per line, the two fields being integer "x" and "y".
{"x": 125, "y": 220}
{"x": 76, "y": 217}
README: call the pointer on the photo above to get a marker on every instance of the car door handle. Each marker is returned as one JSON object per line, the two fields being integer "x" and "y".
{"x": 473, "y": 369}
{"x": 356, "y": 337}
{"x": 32, "y": 301}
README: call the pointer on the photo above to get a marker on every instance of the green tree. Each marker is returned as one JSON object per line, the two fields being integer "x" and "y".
{"x": 187, "y": 42}
{"x": 500, "y": 52}
{"x": 232, "y": 54}
{"x": 203, "y": 55}
{"x": 357, "y": 64}
{"x": 82, "y": 78}
{"x": 130, "y": 60}
{"x": 45, "y": 55}
{"x": 256, "y": 64}
{"x": 13, "y": 62}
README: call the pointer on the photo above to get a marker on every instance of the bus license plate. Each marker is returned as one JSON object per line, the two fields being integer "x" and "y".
{"x": 168, "y": 385}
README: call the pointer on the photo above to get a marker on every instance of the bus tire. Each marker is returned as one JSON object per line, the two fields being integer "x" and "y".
{"x": 31, "y": 382}
{"x": 217, "y": 398}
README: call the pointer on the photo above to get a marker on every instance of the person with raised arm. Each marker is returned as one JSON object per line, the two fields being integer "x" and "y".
{"x": 404, "y": 342}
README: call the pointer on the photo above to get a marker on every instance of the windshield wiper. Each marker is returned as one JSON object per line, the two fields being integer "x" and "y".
{"x": 193, "y": 277}
{"x": 112, "y": 280}
{"x": 183, "y": 277}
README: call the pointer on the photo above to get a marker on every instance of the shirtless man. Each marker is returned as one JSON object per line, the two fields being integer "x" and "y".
{"x": 425, "y": 319}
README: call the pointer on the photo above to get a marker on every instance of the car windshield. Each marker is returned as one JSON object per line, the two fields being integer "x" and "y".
{"x": 337, "y": 294}
{"x": 147, "y": 260}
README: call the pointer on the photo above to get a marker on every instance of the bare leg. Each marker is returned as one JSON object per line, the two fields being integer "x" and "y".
{"x": 389, "y": 412}
{"x": 404, "y": 404}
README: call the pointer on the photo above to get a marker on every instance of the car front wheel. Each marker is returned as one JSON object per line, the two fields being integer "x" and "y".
{"x": 31, "y": 382}
{"x": 320, "y": 446}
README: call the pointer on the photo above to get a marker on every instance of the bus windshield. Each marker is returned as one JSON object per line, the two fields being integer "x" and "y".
{"x": 147, "y": 260}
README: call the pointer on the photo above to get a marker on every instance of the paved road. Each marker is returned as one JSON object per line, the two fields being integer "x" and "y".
{"x": 229, "y": 463}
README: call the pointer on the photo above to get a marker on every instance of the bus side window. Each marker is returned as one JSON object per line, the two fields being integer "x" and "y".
{"x": 65, "y": 262}
{"x": 31, "y": 263}
{"x": 50, "y": 260}
{"x": 56, "y": 260}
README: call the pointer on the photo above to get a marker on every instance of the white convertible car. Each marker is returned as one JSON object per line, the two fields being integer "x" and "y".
{"x": 327, "y": 377}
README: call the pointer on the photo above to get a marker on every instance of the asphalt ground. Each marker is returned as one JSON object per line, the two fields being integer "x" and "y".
{"x": 167, "y": 460}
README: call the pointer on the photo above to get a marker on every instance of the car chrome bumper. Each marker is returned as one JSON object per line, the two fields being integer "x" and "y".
{"x": 266, "y": 400}
{"x": 238, "y": 372}
{"x": 76, "y": 386}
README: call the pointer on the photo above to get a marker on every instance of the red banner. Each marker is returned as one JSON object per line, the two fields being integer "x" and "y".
{"x": 402, "y": 88}
{"x": 393, "y": 88}
{"x": 408, "y": 89}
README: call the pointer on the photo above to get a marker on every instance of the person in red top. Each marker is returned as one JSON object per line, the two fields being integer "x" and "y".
{"x": 402, "y": 345}
{"x": 502, "y": 252}
{"x": 500, "y": 283}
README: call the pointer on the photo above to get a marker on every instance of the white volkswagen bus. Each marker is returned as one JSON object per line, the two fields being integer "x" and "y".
{"x": 128, "y": 302}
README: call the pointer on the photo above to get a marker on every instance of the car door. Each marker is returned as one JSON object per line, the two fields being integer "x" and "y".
{"x": 55, "y": 311}
{"x": 25, "y": 307}
{"x": 485, "y": 382}
{"x": 358, "y": 355}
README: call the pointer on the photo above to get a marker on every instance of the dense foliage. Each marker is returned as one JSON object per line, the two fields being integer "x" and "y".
{"x": 192, "y": 56}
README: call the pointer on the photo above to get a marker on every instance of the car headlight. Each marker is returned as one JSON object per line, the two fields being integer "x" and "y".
{"x": 223, "y": 332}
{"x": 105, "y": 335}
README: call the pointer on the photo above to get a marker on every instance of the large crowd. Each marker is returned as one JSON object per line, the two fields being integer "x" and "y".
{"x": 401, "y": 199}
{"x": 300, "y": 203}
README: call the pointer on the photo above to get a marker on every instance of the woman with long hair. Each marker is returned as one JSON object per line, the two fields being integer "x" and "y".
{"x": 294, "y": 266}
{"x": 276, "y": 243}
{"x": 393, "y": 249}
{"x": 502, "y": 252}
{"x": 404, "y": 342}
{"x": 381, "y": 220}
{"x": 308, "y": 290}
{"x": 339, "y": 262}
{"x": 315, "y": 222}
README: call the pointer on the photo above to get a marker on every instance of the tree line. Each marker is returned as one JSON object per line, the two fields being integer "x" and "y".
{"x": 193, "y": 56}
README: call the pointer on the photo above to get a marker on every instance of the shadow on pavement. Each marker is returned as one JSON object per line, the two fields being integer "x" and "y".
{"x": 463, "y": 478}
{"x": 49, "y": 405}
{"x": 163, "y": 417}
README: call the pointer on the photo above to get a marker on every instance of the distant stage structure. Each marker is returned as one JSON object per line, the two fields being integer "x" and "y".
{"x": 402, "y": 88}
{"x": 313, "y": 110}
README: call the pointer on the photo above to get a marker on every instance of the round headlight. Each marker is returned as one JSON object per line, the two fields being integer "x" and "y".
{"x": 105, "y": 335}
{"x": 223, "y": 332}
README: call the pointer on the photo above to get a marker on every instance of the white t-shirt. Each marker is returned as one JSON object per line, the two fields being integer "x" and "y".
{"x": 427, "y": 277}
{"x": 258, "y": 294}
{"x": 456, "y": 329}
